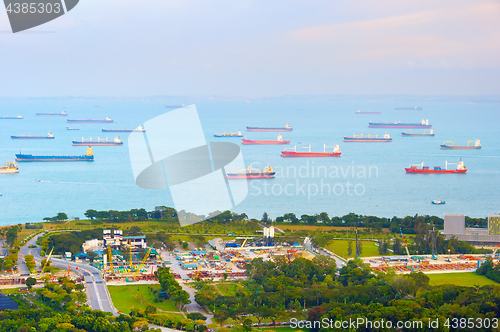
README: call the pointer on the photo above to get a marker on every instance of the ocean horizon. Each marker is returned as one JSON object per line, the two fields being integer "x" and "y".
{"x": 367, "y": 179}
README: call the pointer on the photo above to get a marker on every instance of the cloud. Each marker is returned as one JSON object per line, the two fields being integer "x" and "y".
{"x": 463, "y": 36}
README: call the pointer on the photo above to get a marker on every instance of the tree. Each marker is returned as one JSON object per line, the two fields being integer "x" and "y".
{"x": 349, "y": 247}
{"x": 359, "y": 248}
{"x": 11, "y": 235}
{"x": 134, "y": 230}
{"x": 30, "y": 282}
{"x": 150, "y": 309}
{"x": 91, "y": 214}
{"x": 61, "y": 216}
{"x": 265, "y": 218}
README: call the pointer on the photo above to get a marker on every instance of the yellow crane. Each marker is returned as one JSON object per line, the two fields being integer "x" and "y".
{"x": 46, "y": 261}
{"x": 130, "y": 253}
{"x": 243, "y": 244}
{"x": 142, "y": 263}
{"x": 110, "y": 257}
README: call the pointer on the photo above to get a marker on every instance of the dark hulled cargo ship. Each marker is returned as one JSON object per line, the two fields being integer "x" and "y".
{"x": 424, "y": 124}
{"x": 31, "y": 158}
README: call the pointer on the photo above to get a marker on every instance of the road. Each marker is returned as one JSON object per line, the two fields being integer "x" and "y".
{"x": 97, "y": 292}
{"x": 176, "y": 268}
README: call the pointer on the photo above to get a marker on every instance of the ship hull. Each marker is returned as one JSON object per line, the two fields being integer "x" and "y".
{"x": 458, "y": 147}
{"x": 121, "y": 130}
{"x": 10, "y": 118}
{"x": 50, "y": 114}
{"x": 268, "y": 129}
{"x": 90, "y": 121}
{"x": 96, "y": 143}
{"x": 434, "y": 171}
{"x": 33, "y": 137}
{"x": 9, "y": 171}
{"x": 309, "y": 154}
{"x": 402, "y": 125}
{"x": 250, "y": 176}
{"x": 31, "y": 158}
{"x": 257, "y": 142}
{"x": 228, "y": 135}
{"x": 417, "y": 135}
{"x": 368, "y": 139}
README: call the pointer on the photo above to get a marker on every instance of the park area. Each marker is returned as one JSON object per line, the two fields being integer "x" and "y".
{"x": 340, "y": 247}
{"x": 467, "y": 279}
{"x": 141, "y": 296}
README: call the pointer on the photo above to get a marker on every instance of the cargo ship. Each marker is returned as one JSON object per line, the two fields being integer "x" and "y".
{"x": 416, "y": 108}
{"x": 369, "y": 138}
{"x": 477, "y": 145}
{"x": 278, "y": 141}
{"x": 409, "y": 133}
{"x": 126, "y": 130}
{"x": 286, "y": 128}
{"x": 48, "y": 136}
{"x": 425, "y": 169}
{"x": 19, "y": 117}
{"x": 99, "y": 142}
{"x": 367, "y": 112}
{"x": 107, "y": 120}
{"x": 52, "y": 114}
{"x": 29, "y": 157}
{"x": 236, "y": 134}
{"x": 423, "y": 124}
{"x": 292, "y": 152}
{"x": 9, "y": 168}
{"x": 249, "y": 173}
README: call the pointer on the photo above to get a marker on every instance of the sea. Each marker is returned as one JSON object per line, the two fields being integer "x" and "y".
{"x": 367, "y": 179}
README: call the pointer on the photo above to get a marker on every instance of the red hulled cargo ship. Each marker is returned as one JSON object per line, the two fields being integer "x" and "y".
{"x": 425, "y": 169}
{"x": 292, "y": 152}
{"x": 278, "y": 141}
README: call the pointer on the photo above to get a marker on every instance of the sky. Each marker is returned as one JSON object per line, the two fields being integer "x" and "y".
{"x": 256, "y": 48}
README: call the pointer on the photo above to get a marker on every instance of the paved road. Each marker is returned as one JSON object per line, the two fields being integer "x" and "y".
{"x": 96, "y": 289}
{"x": 176, "y": 268}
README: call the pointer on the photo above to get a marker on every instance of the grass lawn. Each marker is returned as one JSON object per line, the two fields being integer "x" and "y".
{"x": 340, "y": 248}
{"x": 291, "y": 227}
{"x": 460, "y": 279}
{"x": 229, "y": 289}
{"x": 139, "y": 296}
{"x": 6, "y": 291}
{"x": 172, "y": 317}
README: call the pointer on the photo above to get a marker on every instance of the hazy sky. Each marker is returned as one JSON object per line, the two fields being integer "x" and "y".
{"x": 256, "y": 48}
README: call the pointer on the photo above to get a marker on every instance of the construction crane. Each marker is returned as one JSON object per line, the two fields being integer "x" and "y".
{"x": 67, "y": 272}
{"x": 407, "y": 252}
{"x": 243, "y": 244}
{"x": 142, "y": 263}
{"x": 130, "y": 264}
{"x": 495, "y": 251}
{"x": 197, "y": 275}
{"x": 110, "y": 257}
{"x": 46, "y": 261}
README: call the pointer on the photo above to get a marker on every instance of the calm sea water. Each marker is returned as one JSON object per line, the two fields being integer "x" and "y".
{"x": 368, "y": 178}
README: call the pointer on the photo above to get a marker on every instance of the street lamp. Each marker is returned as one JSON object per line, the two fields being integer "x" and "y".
{"x": 449, "y": 257}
